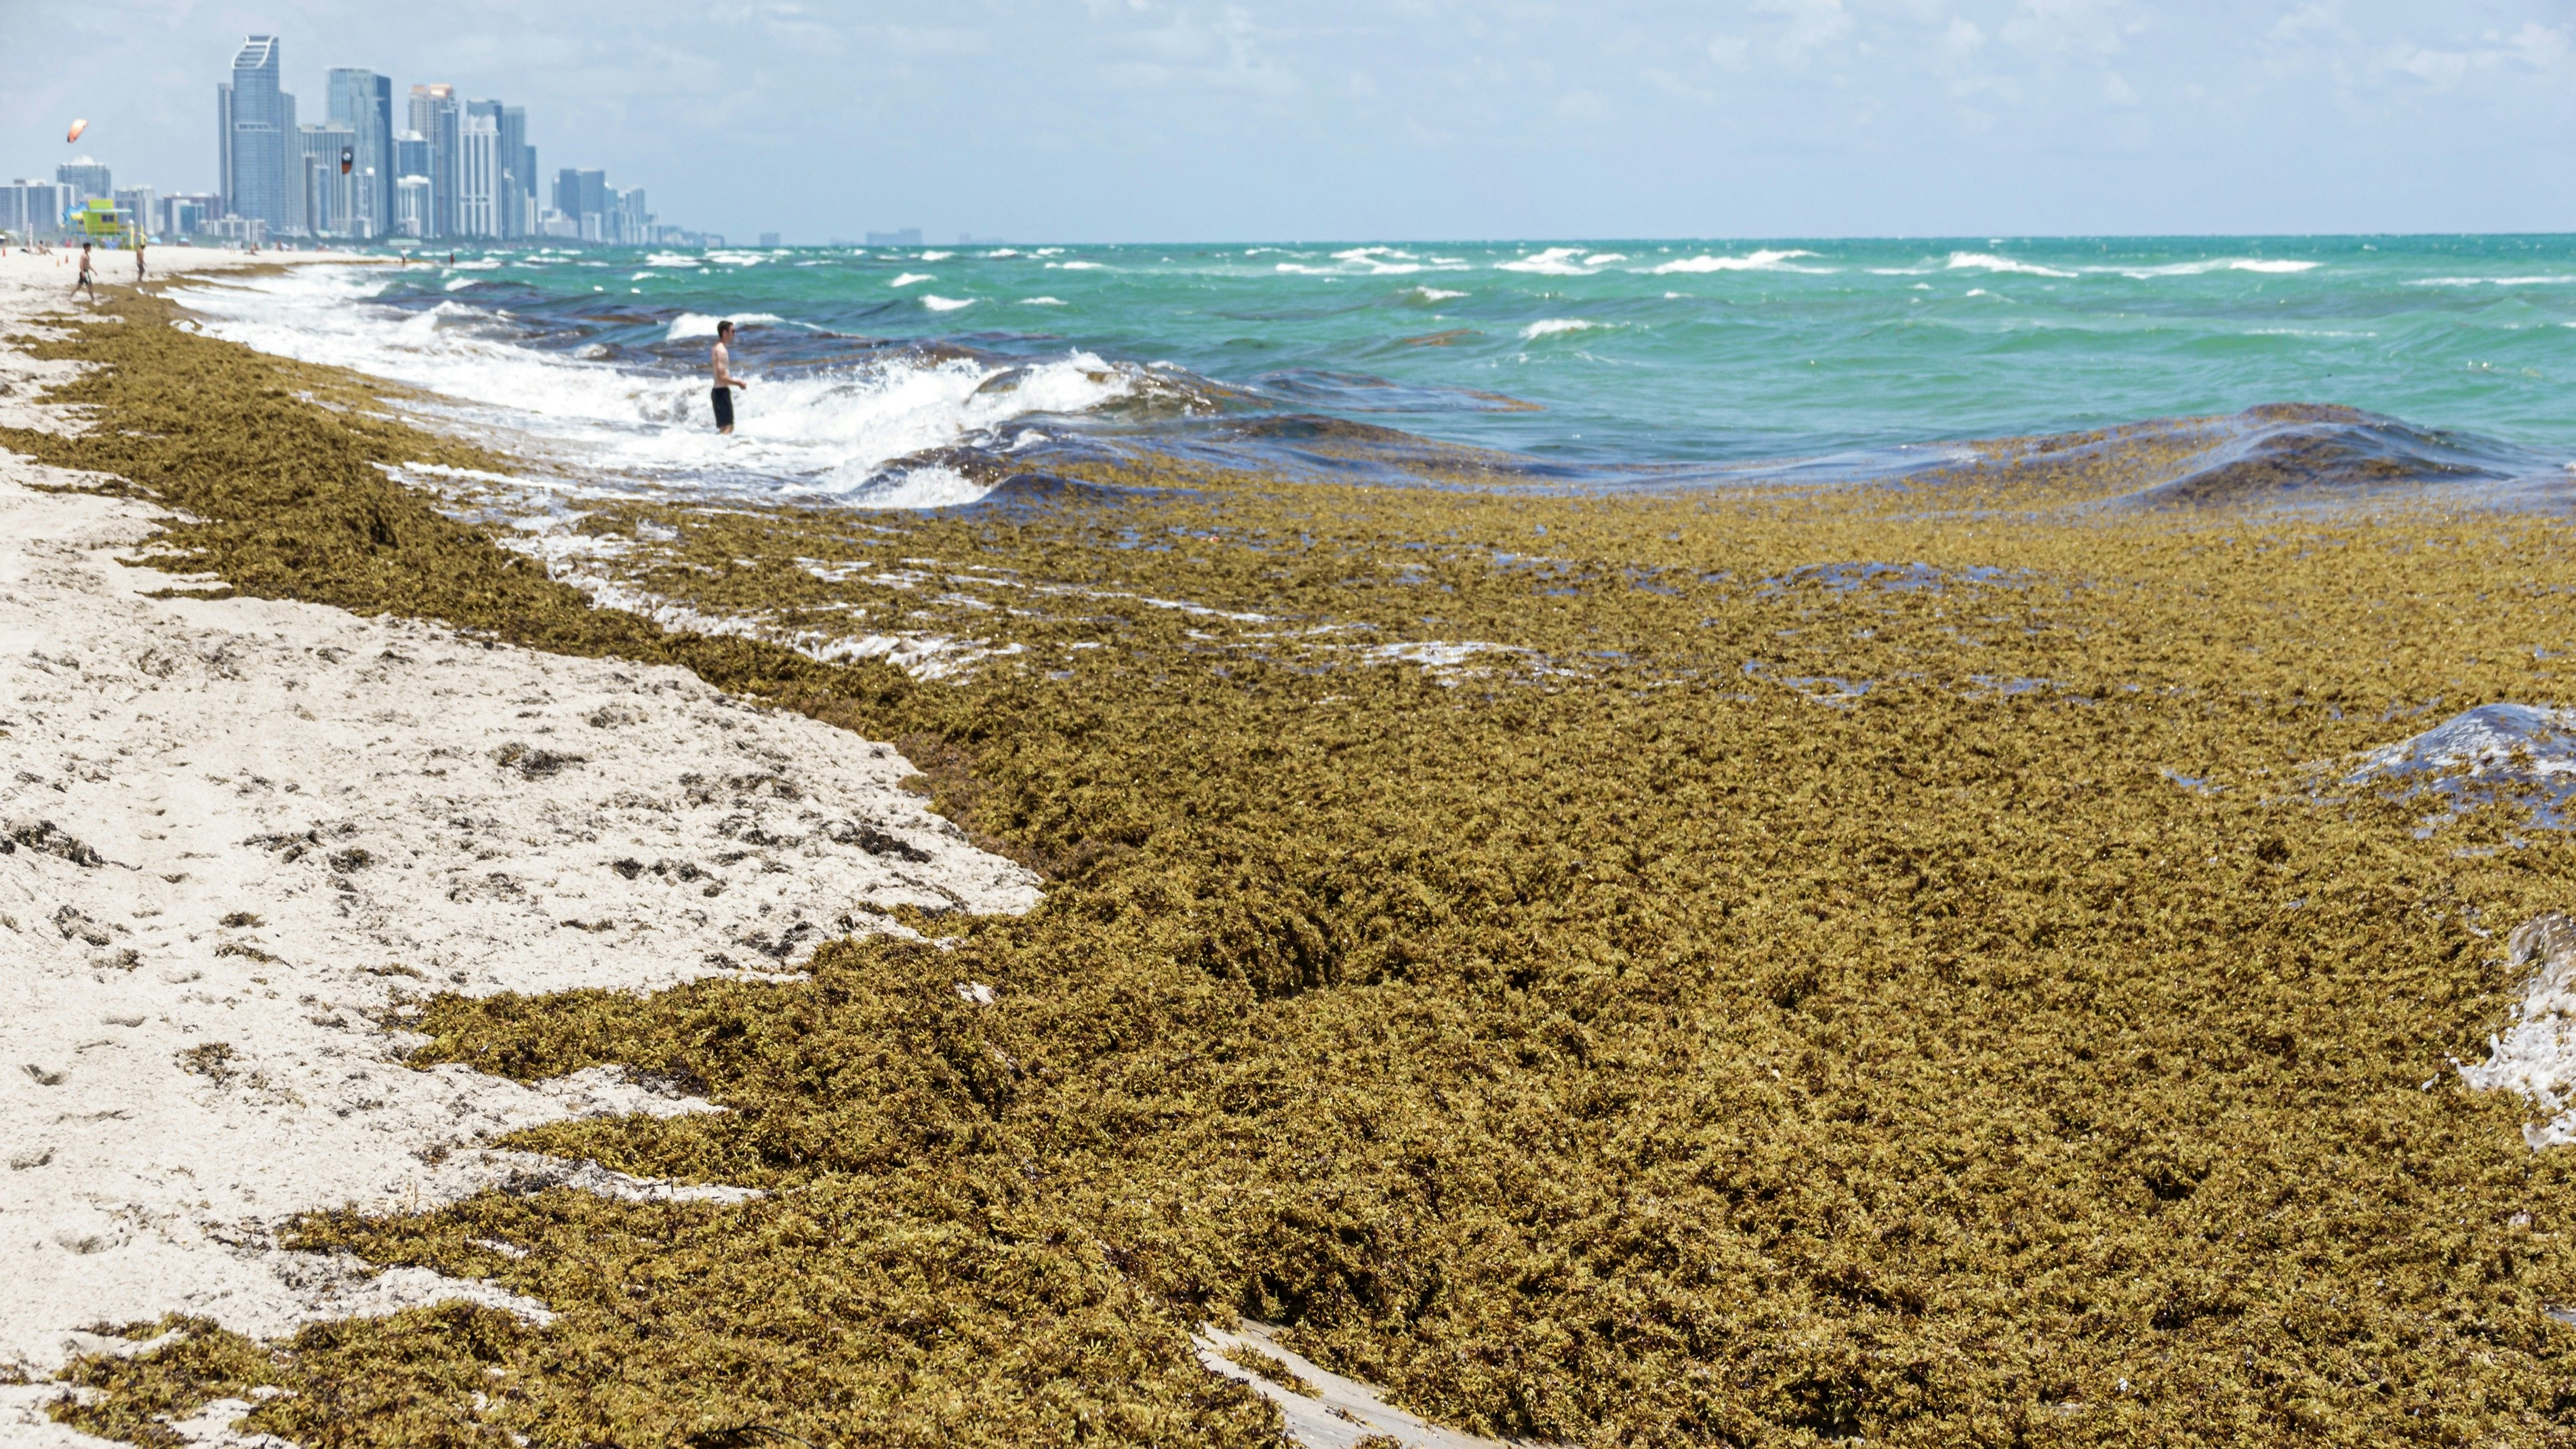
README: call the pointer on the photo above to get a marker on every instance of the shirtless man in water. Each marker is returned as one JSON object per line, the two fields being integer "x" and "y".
{"x": 726, "y": 382}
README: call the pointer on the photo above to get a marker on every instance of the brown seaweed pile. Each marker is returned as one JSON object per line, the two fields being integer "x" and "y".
{"x": 1655, "y": 971}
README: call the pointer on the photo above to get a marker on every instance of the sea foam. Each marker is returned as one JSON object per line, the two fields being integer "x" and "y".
{"x": 828, "y": 433}
{"x": 693, "y": 324}
{"x": 1761, "y": 261}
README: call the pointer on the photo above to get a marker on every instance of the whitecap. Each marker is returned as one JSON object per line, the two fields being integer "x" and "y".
{"x": 1761, "y": 261}
{"x": 2204, "y": 268}
{"x": 1553, "y": 262}
{"x": 669, "y": 259}
{"x": 997, "y": 256}
{"x": 1435, "y": 294}
{"x": 927, "y": 487}
{"x": 2491, "y": 281}
{"x": 694, "y": 324}
{"x": 946, "y": 304}
{"x": 1604, "y": 259}
{"x": 1077, "y": 266}
{"x": 908, "y": 278}
{"x": 1041, "y": 301}
{"x": 461, "y": 283}
{"x": 1553, "y": 326}
{"x": 1985, "y": 261}
{"x": 936, "y": 256}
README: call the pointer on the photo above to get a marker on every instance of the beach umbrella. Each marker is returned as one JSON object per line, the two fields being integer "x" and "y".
{"x": 75, "y": 133}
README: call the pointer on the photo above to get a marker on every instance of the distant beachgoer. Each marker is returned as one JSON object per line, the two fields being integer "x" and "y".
{"x": 86, "y": 280}
{"x": 726, "y": 382}
{"x": 138, "y": 259}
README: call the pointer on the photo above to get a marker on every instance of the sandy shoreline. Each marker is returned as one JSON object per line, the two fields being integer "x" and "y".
{"x": 239, "y": 832}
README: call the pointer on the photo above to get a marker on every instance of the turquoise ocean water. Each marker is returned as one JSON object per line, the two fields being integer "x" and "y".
{"x": 918, "y": 375}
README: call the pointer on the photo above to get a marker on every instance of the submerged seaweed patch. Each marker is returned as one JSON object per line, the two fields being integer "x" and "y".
{"x": 1611, "y": 1046}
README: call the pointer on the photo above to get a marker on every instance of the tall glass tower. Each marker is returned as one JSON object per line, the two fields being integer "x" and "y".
{"x": 363, "y": 101}
{"x": 257, "y": 120}
{"x": 436, "y": 116}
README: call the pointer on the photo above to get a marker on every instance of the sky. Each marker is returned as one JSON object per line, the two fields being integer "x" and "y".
{"x": 1319, "y": 120}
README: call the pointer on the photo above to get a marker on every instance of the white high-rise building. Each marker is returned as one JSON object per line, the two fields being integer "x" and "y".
{"x": 411, "y": 207}
{"x": 142, "y": 206}
{"x": 34, "y": 208}
{"x": 325, "y": 199}
{"x": 478, "y": 176}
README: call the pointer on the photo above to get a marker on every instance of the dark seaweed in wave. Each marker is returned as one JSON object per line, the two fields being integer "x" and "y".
{"x": 2285, "y": 455}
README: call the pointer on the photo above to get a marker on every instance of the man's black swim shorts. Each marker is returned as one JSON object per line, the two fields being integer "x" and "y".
{"x": 724, "y": 407}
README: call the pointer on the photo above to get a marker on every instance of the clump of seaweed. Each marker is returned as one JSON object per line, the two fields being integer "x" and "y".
{"x": 1271, "y": 1367}
{"x": 1603, "y": 1034}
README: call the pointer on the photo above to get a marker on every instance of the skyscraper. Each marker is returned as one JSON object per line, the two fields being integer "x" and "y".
{"x": 478, "y": 170}
{"x": 363, "y": 101}
{"x": 34, "y": 208}
{"x": 142, "y": 206}
{"x": 411, "y": 156}
{"x": 411, "y": 206}
{"x": 518, "y": 175}
{"x": 583, "y": 196}
{"x": 257, "y": 120}
{"x": 87, "y": 179}
{"x": 436, "y": 116}
{"x": 326, "y": 201}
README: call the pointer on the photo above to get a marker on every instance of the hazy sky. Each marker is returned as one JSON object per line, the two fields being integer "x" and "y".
{"x": 1109, "y": 120}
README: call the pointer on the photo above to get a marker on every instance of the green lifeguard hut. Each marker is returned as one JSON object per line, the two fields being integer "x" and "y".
{"x": 100, "y": 221}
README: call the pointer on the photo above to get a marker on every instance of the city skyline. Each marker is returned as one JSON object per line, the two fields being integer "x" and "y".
{"x": 461, "y": 170}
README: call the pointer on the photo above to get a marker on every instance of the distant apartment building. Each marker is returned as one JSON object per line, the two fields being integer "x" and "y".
{"x": 438, "y": 119}
{"x": 632, "y": 223}
{"x": 88, "y": 180}
{"x": 326, "y": 196}
{"x": 185, "y": 213}
{"x": 363, "y": 101}
{"x": 514, "y": 189}
{"x": 34, "y": 208}
{"x": 908, "y": 237}
{"x": 411, "y": 207}
{"x": 582, "y": 197}
{"x": 478, "y": 171}
{"x": 248, "y": 230}
{"x": 255, "y": 121}
{"x": 141, "y": 207}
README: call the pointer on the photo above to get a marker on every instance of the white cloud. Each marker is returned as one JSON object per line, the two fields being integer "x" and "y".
{"x": 1807, "y": 26}
{"x": 2300, "y": 26}
{"x": 2073, "y": 27}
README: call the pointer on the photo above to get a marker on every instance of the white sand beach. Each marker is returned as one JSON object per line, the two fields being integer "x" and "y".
{"x": 240, "y": 834}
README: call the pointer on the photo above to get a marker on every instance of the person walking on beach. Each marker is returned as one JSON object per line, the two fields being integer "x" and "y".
{"x": 86, "y": 280}
{"x": 138, "y": 261}
{"x": 726, "y": 382}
